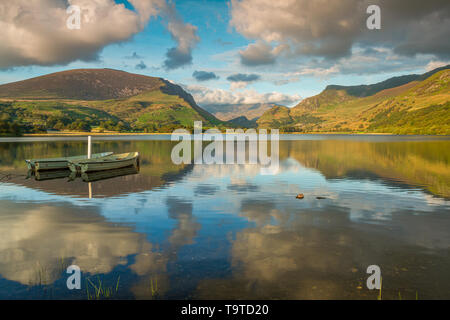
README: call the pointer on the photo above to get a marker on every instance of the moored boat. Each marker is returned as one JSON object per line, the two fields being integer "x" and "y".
{"x": 108, "y": 174}
{"x": 52, "y": 174}
{"x": 114, "y": 161}
{"x": 59, "y": 163}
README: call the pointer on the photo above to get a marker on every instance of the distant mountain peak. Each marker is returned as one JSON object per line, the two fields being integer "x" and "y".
{"x": 371, "y": 89}
{"x": 81, "y": 84}
{"x": 227, "y": 112}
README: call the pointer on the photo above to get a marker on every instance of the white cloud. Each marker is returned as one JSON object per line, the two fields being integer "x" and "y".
{"x": 36, "y": 33}
{"x": 238, "y": 85}
{"x": 436, "y": 64}
{"x": 364, "y": 61}
{"x": 185, "y": 35}
{"x": 330, "y": 28}
{"x": 205, "y": 96}
{"x": 260, "y": 53}
{"x": 320, "y": 72}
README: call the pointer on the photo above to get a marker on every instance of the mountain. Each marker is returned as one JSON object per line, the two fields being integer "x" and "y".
{"x": 411, "y": 104}
{"x": 243, "y": 122}
{"x": 81, "y": 84}
{"x": 368, "y": 90}
{"x": 227, "y": 112}
{"x": 105, "y": 98}
{"x": 276, "y": 117}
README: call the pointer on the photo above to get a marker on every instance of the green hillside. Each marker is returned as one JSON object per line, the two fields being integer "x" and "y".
{"x": 99, "y": 99}
{"x": 38, "y": 116}
{"x": 416, "y": 104}
{"x": 276, "y": 117}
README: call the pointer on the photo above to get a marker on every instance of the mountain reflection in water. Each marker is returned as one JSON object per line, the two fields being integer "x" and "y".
{"x": 226, "y": 231}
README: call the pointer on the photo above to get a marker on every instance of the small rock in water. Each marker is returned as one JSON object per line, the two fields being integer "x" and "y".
{"x": 300, "y": 196}
{"x": 320, "y": 198}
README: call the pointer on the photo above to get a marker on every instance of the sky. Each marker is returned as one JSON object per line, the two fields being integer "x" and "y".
{"x": 224, "y": 52}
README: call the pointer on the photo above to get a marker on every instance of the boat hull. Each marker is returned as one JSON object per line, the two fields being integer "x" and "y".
{"x": 59, "y": 163}
{"x": 108, "y": 174}
{"x": 51, "y": 165}
{"x": 104, "y": 164}
{"x": 52, "y": 174}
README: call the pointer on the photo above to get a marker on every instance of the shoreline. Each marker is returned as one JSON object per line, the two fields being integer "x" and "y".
{"x": 85, "y": 134}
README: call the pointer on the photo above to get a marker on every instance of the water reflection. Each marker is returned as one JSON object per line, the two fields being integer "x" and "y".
{"x": 226, "y": 231}
{"x": 321, "y": 254}
{"x": 36, "y": 238}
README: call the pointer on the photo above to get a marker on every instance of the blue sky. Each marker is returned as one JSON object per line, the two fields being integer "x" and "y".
{"x": 226, "y": 32}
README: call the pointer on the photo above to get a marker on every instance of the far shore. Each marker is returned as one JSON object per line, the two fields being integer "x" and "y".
{"x": 77, "y": 134}
{"x": 85, "y": 134}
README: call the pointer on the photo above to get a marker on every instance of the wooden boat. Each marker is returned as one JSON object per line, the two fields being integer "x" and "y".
{"x": 52, "y": 174}
{"x": 108, "y": 174}
{"x": 59, "y": 163}
{"x": 114, "y": 161}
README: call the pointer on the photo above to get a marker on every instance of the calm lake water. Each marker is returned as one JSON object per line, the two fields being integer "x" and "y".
{"x": 227, "y": 231}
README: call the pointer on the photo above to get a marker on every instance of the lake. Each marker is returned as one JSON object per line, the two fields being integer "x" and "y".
{"x": 170, "y": 231}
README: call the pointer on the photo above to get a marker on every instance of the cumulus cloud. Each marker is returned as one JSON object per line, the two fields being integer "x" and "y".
{"x": 205, "y": 96}
{"x": 240, "y": 80}
{"x": 436, "y": 64}
{"x": 204, "y": 75}
{"x": 240, "y": 77}
{"x": 35, "y": 32}
{"x": 259, "y": 53}
{"x": 185, "y": 35}
{"x": 362, "y": 61}
{"x": 141, "y": 65}
{"x": 331, "y": 28}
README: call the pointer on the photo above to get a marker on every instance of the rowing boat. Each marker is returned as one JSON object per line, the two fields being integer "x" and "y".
{"x": 108, "y": 174}
{"x": 51, "y": 174}
{"x": 59, "y": 163}
{"x": 114, "y": 161}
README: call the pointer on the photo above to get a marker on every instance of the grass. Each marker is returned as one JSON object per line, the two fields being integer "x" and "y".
{"x": 380, "y": 296}
{"x": 100, "y": 291}
{"x": 154, "y": 288}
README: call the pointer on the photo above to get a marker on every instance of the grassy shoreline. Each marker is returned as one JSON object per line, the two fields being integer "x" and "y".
{"x": 75, "y": 134}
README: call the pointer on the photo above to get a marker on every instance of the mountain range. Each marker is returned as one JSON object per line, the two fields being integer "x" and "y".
{"x": 109, "y": 99}
{"x": 239, "y": 115}
{"x": 113, "y": 100}
{"x": 226, "y": 112}
{"x": 411, "y": 104}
